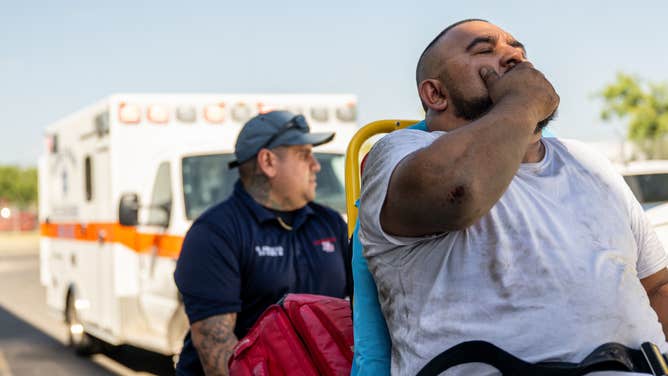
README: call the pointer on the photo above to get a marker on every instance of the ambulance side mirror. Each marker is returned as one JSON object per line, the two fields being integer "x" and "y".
{"x": 128, "y": 209}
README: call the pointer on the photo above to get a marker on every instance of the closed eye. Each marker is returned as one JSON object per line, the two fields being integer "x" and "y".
{"x": 486, "y": 51}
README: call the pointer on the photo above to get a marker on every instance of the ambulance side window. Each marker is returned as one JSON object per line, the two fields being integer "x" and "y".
{"x": 161, "y": 197}
{"x": 88, "y": 178}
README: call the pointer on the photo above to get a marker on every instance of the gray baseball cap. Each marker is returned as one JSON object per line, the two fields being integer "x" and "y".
{"x": 272, "y": 129}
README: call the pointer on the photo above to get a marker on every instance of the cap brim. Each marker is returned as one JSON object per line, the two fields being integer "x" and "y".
{"x": 316, "y": 139}
{"x": 300, "y": 138}
{"x": 296, "y": 138}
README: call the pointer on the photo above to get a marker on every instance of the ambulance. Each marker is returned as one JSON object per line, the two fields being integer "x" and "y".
{"x": 120, "y": 183}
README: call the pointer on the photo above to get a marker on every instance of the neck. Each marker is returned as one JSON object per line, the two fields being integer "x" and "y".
{"x": 535, "y": 151}
{"x": 444, "y": 121}
{"x": 278, "y": 202}
{"x": 261, "y": 191}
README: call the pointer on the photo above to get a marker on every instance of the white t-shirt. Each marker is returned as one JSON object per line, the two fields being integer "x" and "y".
{"x": 549, "y": 274}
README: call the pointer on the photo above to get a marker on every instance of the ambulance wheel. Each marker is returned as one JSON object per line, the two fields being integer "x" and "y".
{"x": 83, "y": 343}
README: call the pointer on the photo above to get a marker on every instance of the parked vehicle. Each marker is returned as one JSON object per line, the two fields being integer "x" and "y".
{"x": 120, "y": 183}
{"x": 648, "y": 181}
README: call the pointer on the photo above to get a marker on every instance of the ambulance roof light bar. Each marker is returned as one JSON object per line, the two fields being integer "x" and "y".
{"x": 214, "y": 113}
{"x": 129, "y": 113}
{"x": 157, "y": 114}
{"x": 347, "y": 112}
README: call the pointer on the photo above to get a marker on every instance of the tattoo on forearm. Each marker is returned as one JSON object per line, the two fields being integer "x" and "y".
{"x": 214, "y": 340}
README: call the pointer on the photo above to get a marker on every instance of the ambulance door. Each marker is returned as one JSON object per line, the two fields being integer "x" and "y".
{"x": 157, "y": 293}
{"x": 97, "y": 190}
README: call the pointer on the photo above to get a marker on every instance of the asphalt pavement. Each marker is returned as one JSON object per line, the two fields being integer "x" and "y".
{"x": 33, "y": 341}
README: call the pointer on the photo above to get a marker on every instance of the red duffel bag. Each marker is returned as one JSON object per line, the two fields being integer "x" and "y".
{"x": 303, "y": 334}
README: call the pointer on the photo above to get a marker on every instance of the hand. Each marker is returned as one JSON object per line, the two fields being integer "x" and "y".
{"x": 522, "y": 86}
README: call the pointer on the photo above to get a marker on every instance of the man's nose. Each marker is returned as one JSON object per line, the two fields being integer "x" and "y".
{"x": 511, "y": 57}
{"x": 315, "y": 165}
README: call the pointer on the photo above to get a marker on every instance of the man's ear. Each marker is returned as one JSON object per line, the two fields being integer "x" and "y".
{"x": 266, "y": 162}
{"x": 433, "y": 95}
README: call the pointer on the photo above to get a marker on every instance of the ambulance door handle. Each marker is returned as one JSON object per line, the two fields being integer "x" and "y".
{"x": 101, "y": 236}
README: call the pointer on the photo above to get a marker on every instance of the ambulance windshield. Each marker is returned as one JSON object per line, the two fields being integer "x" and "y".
{"x": 207, "y": 181}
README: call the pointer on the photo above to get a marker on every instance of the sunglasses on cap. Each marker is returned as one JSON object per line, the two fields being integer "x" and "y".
{"x": 298, "y": 122}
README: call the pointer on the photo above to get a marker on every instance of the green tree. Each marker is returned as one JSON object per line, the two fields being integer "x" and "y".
{"x": 18, "y": 185}
{"x": 644, "y": 105}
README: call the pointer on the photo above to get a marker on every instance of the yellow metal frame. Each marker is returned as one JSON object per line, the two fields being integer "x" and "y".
{"x": 352, "y": 175}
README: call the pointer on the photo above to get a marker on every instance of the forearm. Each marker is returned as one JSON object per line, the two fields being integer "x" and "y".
{"x": 479, "y": 160}
{"x": 214, "y": 340}
{"x": 463, "y": 173}
{"x": 659, "y": 301}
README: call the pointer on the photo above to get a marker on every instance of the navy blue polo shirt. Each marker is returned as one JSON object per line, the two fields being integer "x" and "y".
{"x": 237, "y": 257}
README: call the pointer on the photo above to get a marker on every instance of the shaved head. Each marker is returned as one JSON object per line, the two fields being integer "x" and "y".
{"x": 429, "y": 64}
{"x": 428, "y": 60}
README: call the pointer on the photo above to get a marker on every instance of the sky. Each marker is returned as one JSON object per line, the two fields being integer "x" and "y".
{"x": 59, "y": 56}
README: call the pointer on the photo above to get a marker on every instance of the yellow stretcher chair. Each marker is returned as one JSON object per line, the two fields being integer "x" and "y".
{"x": 372, "y": 340}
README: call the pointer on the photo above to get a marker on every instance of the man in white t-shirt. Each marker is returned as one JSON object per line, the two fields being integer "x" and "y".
{"x": 481, "y": 230}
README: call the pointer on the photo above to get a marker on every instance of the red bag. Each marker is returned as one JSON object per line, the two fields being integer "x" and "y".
{"x": 305, "y": 335}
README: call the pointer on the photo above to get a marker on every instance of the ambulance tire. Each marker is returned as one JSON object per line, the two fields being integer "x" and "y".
{"x": 83, "y": 343}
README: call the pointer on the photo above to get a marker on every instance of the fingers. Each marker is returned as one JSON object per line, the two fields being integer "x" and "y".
{"x": 488, "y": 75}
{"x": 526, "y": 64}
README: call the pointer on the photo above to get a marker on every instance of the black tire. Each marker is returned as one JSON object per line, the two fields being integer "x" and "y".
{"x": 83, "y": 343}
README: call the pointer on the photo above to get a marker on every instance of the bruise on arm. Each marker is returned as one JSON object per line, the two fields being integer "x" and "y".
{"x": 214, "y": 340}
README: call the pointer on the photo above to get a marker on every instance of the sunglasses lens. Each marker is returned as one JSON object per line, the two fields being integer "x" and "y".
{"x": 300, "y": 122}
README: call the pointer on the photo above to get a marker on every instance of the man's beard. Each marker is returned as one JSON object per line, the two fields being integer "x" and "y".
{"x": 473, "y": 109}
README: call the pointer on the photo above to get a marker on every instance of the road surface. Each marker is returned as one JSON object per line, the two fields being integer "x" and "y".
{"x": 32, "y": 342}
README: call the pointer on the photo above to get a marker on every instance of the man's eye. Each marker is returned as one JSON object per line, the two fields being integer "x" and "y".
{"x": 486, "y": 51}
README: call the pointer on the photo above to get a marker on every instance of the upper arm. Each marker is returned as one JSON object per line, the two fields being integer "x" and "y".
{"x": 214, "y": 340}
{"x": 412, "y": 207}
{"x": 655, "y": 282}
{"x": 382, "y": 197}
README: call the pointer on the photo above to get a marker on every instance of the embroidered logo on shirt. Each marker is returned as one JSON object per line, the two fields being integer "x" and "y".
{"x": 327, "y": 244}
{"x": 266, "y": 250}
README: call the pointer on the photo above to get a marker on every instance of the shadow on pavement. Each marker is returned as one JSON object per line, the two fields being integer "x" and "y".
{"x": 27, "y": 351}
{"x": 141, "y": 360}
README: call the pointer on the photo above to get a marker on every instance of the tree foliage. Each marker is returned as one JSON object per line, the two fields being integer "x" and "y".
{"x": 18, "y": 185}
{"x": 644, "y": 104}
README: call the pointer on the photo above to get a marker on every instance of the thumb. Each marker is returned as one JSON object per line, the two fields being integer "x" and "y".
{"x": 488, "y": 75}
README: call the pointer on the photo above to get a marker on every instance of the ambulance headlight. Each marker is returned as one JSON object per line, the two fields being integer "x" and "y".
{"x": 214, "y": 113}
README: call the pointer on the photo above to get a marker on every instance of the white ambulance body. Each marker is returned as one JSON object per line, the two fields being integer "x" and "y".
{"x": 120, "y": 183}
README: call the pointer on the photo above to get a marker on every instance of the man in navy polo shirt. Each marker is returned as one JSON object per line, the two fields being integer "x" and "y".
{"x": 266, "y": 240}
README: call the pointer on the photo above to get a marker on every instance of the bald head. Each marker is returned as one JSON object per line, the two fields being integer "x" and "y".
{"x": 429, "y": 63}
